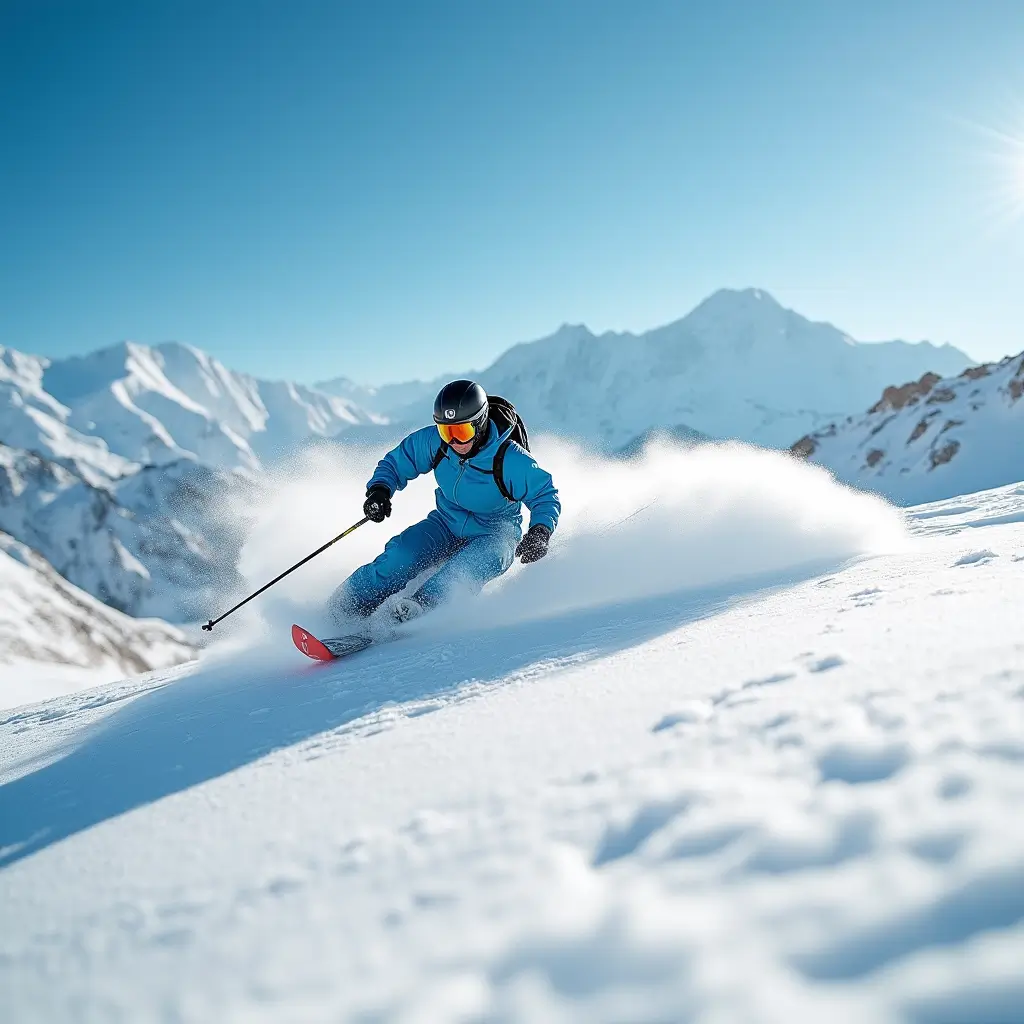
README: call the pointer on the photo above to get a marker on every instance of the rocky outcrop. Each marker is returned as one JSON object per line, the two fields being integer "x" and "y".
{"x": 899, "y": 448}
{"x": 1015, "y": 388}
{"x": 805, "y": 447}
{"x": 940, "y": 456}
{"x": 894, "y": 398}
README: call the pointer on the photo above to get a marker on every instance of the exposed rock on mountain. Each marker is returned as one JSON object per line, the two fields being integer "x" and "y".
{"x": 931, "y": 438}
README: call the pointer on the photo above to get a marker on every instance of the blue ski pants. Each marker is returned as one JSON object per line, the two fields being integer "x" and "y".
{"x": 464, "y": 565}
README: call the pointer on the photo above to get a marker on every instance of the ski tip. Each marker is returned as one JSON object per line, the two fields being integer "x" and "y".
{"x": 309, "y": 645}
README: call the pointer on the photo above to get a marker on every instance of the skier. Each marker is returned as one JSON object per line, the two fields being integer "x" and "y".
{"x": 478, "y": 451}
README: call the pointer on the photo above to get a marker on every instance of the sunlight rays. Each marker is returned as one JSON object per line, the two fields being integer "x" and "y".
{"x": 1002, "y": 151}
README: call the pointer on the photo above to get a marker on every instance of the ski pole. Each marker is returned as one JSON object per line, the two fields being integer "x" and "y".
{"x": 277, "y": 579}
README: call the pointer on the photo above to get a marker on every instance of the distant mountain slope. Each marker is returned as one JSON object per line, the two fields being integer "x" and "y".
{"x": 33, "y": 419}
{"x": 46, "y": 620}
{"x": 389, "y": 399}
{"x": 161, "y": 403}
{"x": 739, "y": 366}
{"x": 151, "y": 543}
{"x": 932, "y": 438}
{"x": 116, "y": 465}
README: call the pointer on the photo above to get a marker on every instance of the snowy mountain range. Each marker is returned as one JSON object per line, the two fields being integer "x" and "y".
{"x": 739, "y": 366}
{"x": 132, "y": 405}
{"x": 933, "y": 437}
{"x": 116, "y": 466}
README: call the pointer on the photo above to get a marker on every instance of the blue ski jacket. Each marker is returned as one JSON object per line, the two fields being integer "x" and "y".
{"x": 468, "y": 500}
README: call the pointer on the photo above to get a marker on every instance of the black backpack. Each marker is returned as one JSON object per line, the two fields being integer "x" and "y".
{"x": 502, "y": 413}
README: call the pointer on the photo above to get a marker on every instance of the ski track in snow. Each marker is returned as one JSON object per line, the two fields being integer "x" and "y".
{"x": 790, "y": 799}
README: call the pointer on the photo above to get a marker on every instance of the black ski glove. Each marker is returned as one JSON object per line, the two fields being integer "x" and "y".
{"x": 534, "y": 545}
{"x": 377, "y": 506}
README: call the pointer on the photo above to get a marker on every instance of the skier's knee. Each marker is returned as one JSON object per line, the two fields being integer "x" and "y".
{"x": 348, "y": 603}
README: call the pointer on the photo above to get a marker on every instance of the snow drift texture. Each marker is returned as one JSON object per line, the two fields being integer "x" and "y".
{"x": 801, "y": 808}
{"x": 668, "y": 520}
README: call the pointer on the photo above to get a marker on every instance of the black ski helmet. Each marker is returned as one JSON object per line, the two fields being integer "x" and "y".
{"x": 462, "y": 401}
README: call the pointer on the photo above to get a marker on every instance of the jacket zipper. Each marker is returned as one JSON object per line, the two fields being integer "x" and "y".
{"x": 458, "y": 480}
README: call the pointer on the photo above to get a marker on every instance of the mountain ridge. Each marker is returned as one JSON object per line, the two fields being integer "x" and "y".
{"x": 157, "y": 403}
{"x": 931, "y": 438}
{"x": 114, "y": 464}
{"x": 780, "y": 374}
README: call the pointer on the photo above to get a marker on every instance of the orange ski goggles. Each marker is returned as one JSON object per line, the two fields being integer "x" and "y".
{"x": 460, "y": 433}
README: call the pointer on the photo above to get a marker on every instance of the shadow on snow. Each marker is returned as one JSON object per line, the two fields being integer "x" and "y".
{"x": 221, "y": 718}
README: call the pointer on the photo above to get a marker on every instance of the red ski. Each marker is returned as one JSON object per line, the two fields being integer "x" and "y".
{"x": 328, "y": 650}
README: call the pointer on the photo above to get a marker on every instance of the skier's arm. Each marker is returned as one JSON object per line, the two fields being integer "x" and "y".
{"x": 533, "y": 486}
{"x": 413, "y": 457}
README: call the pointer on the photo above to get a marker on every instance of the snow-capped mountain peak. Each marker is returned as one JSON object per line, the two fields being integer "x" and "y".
{"x": 32, "y": 418}
{"x": 740, "y": 365}
{"x": 23, "y": 375}
{"x": 154, "y": 404}
{"x": 735, "y": 303}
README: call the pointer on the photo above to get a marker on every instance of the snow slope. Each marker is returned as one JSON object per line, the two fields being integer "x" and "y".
{"x": 56, "y": 638}
{"x": 786, "y": 798}
{"x": 738, "y": 366}
{"x": 932, "y": 438}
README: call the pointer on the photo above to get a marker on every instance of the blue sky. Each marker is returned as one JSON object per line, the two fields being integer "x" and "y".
{"x": 390, "y": 190}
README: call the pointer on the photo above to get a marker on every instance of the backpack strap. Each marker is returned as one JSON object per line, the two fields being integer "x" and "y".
{"x": 499, "y": 470}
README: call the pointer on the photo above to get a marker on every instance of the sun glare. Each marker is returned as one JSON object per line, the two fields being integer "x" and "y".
{"x": 1015, "y": 177}
{"x": 1018, "y": 176}
{"x": 1006, "y": 153}
{"x": 996, "y": 150}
